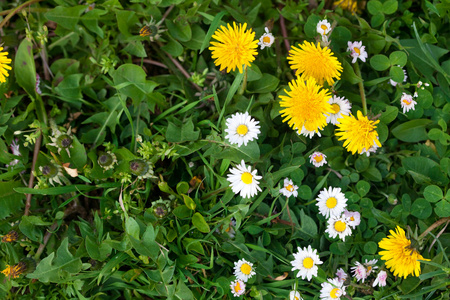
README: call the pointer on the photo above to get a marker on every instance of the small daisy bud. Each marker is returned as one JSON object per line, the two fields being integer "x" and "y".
{"x": 161, "y": 208}
{"x": 141, "y": 168}
{"x": 106, "y": 160}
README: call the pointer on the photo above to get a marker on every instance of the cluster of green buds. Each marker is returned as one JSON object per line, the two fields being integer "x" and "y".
{"x": 106, "y": 160}
{"x": 156, "y": 149}
{"x": 199, "y": 79}
{"x": 61, "y": 140}
{"x": 142, "y": 168}
{"x": 42, "y": 35}
{"x": 108, "y": 63}
{"x": 161, "y": 208}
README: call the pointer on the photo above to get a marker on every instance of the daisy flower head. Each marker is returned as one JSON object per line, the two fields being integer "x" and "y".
{"x": 407, "y": 102}
{"x": 235, "y": 47}
{"x": 316, "y": 62}
{"x": 354, "y": 218}
{"x": 331, "y": 202}
{"x": 241, "y": 129}
{"x": 323, "y": 28}
{"x": 333, "y": 289}
{"x": 4, "y": 61}
{"x": 318, "y": 159}
{"x": 340, "y": 107}
{"x": 244, "y": 181}
{"x": 294, "y": 295}
{"x": 308, "y": 133}
{"x": 289, "y": 188}
{"x": 359, "y": 272}
{"x": 401, "y": 257}
{"x": 394, "y": 83}
{"x": 237, "y": 288}
{"x": 243, "y": 270}
{"x": 341, "y": 275}
{"x": 357, "y": 51}
{"x": 381, "y": 279}
{"x": 305, "y": 105}
{"x": 338, "y": 226}
{"x": 370, "y": 265}
{"x": 357, "y": 133}
{"x": 267, "y": 39}
{"x": 306, "y": 261}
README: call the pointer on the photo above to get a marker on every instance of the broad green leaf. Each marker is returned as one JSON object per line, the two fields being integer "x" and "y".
{"x": 348, "y": 74}
{"x": 125, "y": 20}
{"x": 180, "y": 32}
{"x": 173, "y": 47}
{"x": 70, "y": 88}
{"x": 199, "y": 222}
{"x": 185, "y": 133}
{"x": 59, "y": 190}
{"x": 90, "y": 20}
{"x": 424, "y": 170}
{"x": 10, "y": 200}
{"x": 389, "y": 115}
{"x": 24, "y": 67}
{"x": 268, "y": 83}
{"x": 412, "y": 131}
{"x": 421, "y": 208}
{"x": 398, "y": 58}
{"x": 57, "y": 268}
{"x": 380, "y": 62}
{"x": 28, "y": 226}
{"x": 396, "y": 74}
{"x": 390, "y": 7}
{"x": 370, "y": 247}
{"x": 362, "y": 187}
{"x": 374, "y": 7}
{"x": 311, "y": 25}
{"x": 189, "y": 202}
{"x": 132, "y": 228}
{"x": 442, "y": 209}
{"x": 433, "y": 193}
{"x": 131, "y": 81}
{"x": 66, "y": 17}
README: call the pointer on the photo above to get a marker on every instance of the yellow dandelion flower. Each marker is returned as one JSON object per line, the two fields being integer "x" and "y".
{"x": 10, "y": 237}
{"x": 15, "y": 271}
{"x": 401, "y": 258}
{"x": 350, "y": 5}
{"x": 306, "y": 104}
{"x": 316, "y": 62}
{"x": 359, "y": 133}
{"x": 4, "y": 61}
{"x": 235, "y": 47}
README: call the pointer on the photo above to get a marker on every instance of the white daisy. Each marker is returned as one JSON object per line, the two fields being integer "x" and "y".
{"x": 357, "y": 51}
{"x": 294, "y": 295}
{"x": 289, "y": 188}
{"x": 309, "y": 133}
{"x": 324, "y": 27}
{"x": 370, "y": 265}
{"x": 237, "y": 288}
{"x": 341, "y": 275}
{"x": 381, "y": 279}
{"x": 359, "y": 272}
{"x": 338, "y": 226}
{"x": 354, "y": 218}
{"x": 341, "y": 107}
{"x": 333, "y": 289}
{"x": 243, "y": 270}
{"x": 241, "y": 129}
{"x": 15, "y": 151}
{"x": 266, "y": 40}
{"x": 331, "y": 202}
{"x": 306, "y": 261}
{"x": 394, "y": 83}
{"x": 318, "y": 159}
{"x": 244, "y": 181}
{"x": 407, "y": 102}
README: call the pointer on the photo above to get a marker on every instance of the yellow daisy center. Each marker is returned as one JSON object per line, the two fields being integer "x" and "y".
{"x": 334, "y": 293}
{"x": 336, "y": 108}
{"x": 331, "y": 202}
{"x": 352, "y": 218}
{"x": 247, "y": 178}
{"x": 308, "y": 263}
{"x": 237, "y": 287}
{"x": 318, "y": 158}
{"x": 369, "y": 268}
{"x": 324, "y": 28}
{"x": 242, "y": 129}
{"x": 406, "y": 101}
{"x": 266, "y": 39}
{"x": 296, "y": 298}
{"x": 356, "y": 49}
{"x": 246, "y": 269}
{"x": 290, "y": 188}
{"x": 340, "y": 226}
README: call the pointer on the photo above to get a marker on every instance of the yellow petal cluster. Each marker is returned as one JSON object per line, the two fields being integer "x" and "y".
{"x": 358, "y": 133}
{"x": 400, "y": 257}
{"x": 4, "y": 61}
{"x": 235, "y": 47}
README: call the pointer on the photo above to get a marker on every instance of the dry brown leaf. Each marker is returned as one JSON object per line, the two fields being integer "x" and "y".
{"x": 70, "y": 171}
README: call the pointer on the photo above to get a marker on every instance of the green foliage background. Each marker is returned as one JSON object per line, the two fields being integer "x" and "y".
{"x": 110, "y": 85}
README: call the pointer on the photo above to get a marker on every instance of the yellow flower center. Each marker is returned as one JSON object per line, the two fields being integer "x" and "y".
{"x": 336, "y": 108}
{"x": 237, "y": 287}
{"x": 290, "y": 188}
{"x": 246, "y": 269}
{"x": 334, "y": 293}
{"x": 352, "y": 218}
{"x": 356, "y": 49}
{"x": 266, "y": 39}
{"x": 324, "y": 28}
{"x": 318, "y": 158}
{"x": 369, "y": 268}
{"x": 242, "y": 129}
{"x": 331, "y": 202}
{"x": 296, "y": 298}
{"x": 308, "y": 263}
{"x": 247, "y": 178}
{"x": 340, "y": 226}
{"x": 406, "y": 101}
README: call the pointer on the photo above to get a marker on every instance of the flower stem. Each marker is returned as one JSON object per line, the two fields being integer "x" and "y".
{"x": 433, "y": 226}
{"x": 244, "y": 82}
{"x": 361, "y": 88}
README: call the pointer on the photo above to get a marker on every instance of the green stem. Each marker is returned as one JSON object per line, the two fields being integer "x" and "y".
{"x": 16, "y": 10}
{"x": 361, "y": 88}
{"x": 244, "y": 82}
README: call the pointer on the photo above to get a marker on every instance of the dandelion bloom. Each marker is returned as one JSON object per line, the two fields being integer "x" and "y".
{"x": 4, "y": 61}
{"x": 15, "y": 271}
{"x": 316, "y": 62}
{"x": 306, "y": 104}
{"x": 235, "y": 47}
{"x": 359, "y": 133}
{"x": 401, "y": 258}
